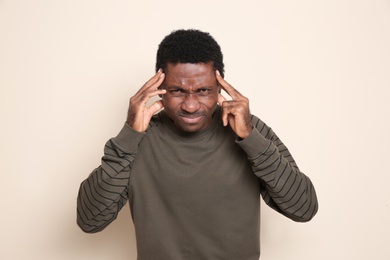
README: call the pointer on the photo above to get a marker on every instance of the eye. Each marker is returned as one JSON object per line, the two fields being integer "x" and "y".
{"x": 176, "y": 92}
{"x": 203, "y": 91}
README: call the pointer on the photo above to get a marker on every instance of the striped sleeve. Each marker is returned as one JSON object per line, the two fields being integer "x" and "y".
{"x": 102, "y": 195}
{"x": 283, "y": 186}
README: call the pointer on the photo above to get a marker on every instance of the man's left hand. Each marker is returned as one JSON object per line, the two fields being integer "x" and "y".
{"x": 235, "y": 112}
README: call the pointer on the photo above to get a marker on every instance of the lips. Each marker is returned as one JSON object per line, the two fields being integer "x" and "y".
{"x": 191, "y": 118}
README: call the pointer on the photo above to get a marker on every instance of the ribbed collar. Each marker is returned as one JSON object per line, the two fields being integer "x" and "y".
{"x": 189, "y": 136}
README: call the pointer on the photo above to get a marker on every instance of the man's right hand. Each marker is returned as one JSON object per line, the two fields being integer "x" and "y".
{"x": 138, "y": 116}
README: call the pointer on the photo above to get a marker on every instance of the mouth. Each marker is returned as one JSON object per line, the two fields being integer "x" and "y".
{"x": 191, "y": 118}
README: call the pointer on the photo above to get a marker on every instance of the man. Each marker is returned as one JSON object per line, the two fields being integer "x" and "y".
{"x": 193, "y": 173}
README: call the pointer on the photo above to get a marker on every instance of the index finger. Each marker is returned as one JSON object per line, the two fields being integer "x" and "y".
{"x": 154, "y": 82}
{"x": 227, "y": 87}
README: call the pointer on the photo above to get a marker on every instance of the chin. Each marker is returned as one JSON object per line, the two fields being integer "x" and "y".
{"x": 189, "y": 128}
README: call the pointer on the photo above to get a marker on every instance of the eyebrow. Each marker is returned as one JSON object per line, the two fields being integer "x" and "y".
{"x": 178, "y": 87}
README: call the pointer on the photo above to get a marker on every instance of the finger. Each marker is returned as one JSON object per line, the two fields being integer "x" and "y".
{"x": 227, "y": 87}
{"x": 222, "y": 99}
{"x": 145, "y": 96}
{"x": 154, "y": 82}
{"x": 156, "y": 106}
{"x": 233, "y": 109}
{"x": 150, "y": 89}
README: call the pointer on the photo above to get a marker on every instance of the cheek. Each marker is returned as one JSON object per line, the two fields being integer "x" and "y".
{"x": 210, "y": 100}
{"x": 170, "y": 102}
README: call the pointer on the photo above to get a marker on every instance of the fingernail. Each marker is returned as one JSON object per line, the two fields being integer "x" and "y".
{"x": 218, "y": 73}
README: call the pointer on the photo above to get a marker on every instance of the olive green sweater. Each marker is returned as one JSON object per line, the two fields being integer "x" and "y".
{"x": 195, "y": 195}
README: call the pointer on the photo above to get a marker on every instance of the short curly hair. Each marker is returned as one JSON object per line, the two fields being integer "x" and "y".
{"x": 189, "y": 46}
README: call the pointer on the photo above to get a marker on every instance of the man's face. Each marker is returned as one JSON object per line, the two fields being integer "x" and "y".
{"x": 192, "y": 95}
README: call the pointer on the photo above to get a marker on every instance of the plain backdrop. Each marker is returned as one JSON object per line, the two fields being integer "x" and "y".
{"x": 318, "y": 72}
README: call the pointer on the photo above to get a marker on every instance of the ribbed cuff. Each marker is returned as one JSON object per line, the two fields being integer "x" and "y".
{"x": 128, "y": 138}
{"x": 254, "y": 144}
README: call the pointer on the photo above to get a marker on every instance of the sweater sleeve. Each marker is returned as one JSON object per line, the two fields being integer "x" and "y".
{"x": 283, "y": 186}
{"x": 102, "y": 195}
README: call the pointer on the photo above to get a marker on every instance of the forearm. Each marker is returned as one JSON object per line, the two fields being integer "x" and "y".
{"x": 99, "y": 201}
{"x": 284, "y": 187}
{"x": 105, "y": 191}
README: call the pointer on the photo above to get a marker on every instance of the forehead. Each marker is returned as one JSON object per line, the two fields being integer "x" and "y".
{"x": 189, "y": 73}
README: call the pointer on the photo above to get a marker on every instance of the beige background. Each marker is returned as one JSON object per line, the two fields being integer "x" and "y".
{"x": 316, "y": 71}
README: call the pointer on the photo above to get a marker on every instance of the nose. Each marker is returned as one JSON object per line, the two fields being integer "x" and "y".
{"x": 190, "y": 103}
